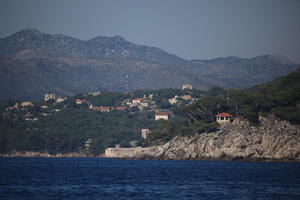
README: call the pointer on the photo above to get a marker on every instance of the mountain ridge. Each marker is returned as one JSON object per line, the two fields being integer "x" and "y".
{"x": 33, "y": 62}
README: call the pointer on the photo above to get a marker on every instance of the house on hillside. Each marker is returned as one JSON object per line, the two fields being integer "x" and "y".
{"x": 59, "y": 100}
{"x": 173, "y": 100}
{"x": 101, "y": 108}
{"x": 162, "y": 115}
{"x": 137, "y": 101}
{"x": 144, "y": 103}
{"x": 186, "y": 97}
{"x": 94, "y": 94}
{"x": 26, "y": 103}
{"x": 187, "y": 87}
{"x": 43, "y": 107}
{"x": 49, "y": 96}
{"x": 79, "y": 101}
{"x": 15, "y": 107}
{"x": 121, "y": 108}
{"x": 223, "y": 117}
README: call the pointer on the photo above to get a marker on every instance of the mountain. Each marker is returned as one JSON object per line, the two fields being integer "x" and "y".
{"x": 33, "y": 62}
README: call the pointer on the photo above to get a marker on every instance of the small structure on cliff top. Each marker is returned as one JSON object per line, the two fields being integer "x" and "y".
{"x": 145, "y": 133}
{"x": 187, "y": 86}
{"x": 223, "y": 117}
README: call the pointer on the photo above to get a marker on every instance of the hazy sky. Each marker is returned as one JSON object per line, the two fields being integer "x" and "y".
{"x": 192, "y": 29}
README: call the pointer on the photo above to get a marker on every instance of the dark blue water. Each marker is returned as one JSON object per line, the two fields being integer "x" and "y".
{"x": 91, "y": 178}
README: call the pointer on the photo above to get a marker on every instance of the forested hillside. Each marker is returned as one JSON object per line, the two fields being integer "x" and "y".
{"x": 89, "y": 123}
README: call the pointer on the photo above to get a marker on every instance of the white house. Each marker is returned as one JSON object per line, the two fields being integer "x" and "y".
{"x": 187, "y": 86}
{"x": 136, "y": 101}
{"x": 49, "y": 96}
{"x": 26, "y": 103}
{"x": 223, "y": 118}
{"x": 162, "y": 115}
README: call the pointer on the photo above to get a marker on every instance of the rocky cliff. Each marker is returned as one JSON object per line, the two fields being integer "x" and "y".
{"x": 272, "y": 140}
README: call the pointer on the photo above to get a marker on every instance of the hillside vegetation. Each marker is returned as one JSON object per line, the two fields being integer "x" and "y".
{"x": 70, "y": 127}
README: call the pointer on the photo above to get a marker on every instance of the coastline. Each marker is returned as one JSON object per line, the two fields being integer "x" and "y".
{"x": 33, "y": 154}
{"x": 83, "y": 155}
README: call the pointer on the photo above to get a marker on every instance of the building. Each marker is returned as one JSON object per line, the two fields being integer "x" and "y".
{"x": 59, "y": 100}
{"x": 121, "y": 108}
{"x": 173, "y": 100}
{"x": 162, "y": 115}
{"x": 187, "y": 87}
{"x": 186, "y": 97}
{"x": 145, "y": 133}
{"x": 44, "y": 107}
{"x": 223, "y": 117}
{"x": 137, "y": 101}
{"x": 15, "y": 107}
{"x": 101, "y": 108}
{"x": 79, "y": 101}
{"x": 144, "y": 103}
{"x": 94, "y": 94}
{"x": 88, "y": 143}
{"x": 26, "y": 103}
{"x": 49, "y": 96}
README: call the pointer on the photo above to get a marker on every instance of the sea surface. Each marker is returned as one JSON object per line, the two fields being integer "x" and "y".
{"x": 97, "y": 178}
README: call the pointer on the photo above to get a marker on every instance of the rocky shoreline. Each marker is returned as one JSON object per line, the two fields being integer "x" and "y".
{"x": 272, "y": 140}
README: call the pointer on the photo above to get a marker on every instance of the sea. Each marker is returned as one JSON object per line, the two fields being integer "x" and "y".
{"x": 99, "y": 178}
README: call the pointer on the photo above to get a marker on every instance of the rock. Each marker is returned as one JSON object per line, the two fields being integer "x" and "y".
{"x": 272, "y": 140}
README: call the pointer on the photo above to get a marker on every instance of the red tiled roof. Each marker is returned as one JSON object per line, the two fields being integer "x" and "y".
{"x": 79, "y": 100}
{"x": 138, "y": 99}
{"x": 187, "y": 97}
{"x": 162, "y": 113}
{"x": 101, "y": 108}
{"x": 223, "y": 114}
{"x": 120, "y": 108}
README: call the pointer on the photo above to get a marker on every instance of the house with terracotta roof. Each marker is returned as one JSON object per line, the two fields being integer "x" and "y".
{"x": 186, "y": 97}
{"x": 223, "y": 117}
{"x": 162, "y": 115}
{"x": 121, "y": 108}
{"x": 137, "y": 101}
{"x": 100, "y": 108}
{"x": 79, "y": 101}
{"x": 26, "y": 103}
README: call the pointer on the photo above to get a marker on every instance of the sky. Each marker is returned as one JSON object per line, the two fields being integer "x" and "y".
{"x": 191, "y": 29}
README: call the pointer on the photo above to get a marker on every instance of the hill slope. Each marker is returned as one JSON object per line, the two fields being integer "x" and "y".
{"x": 32, "y": 63}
